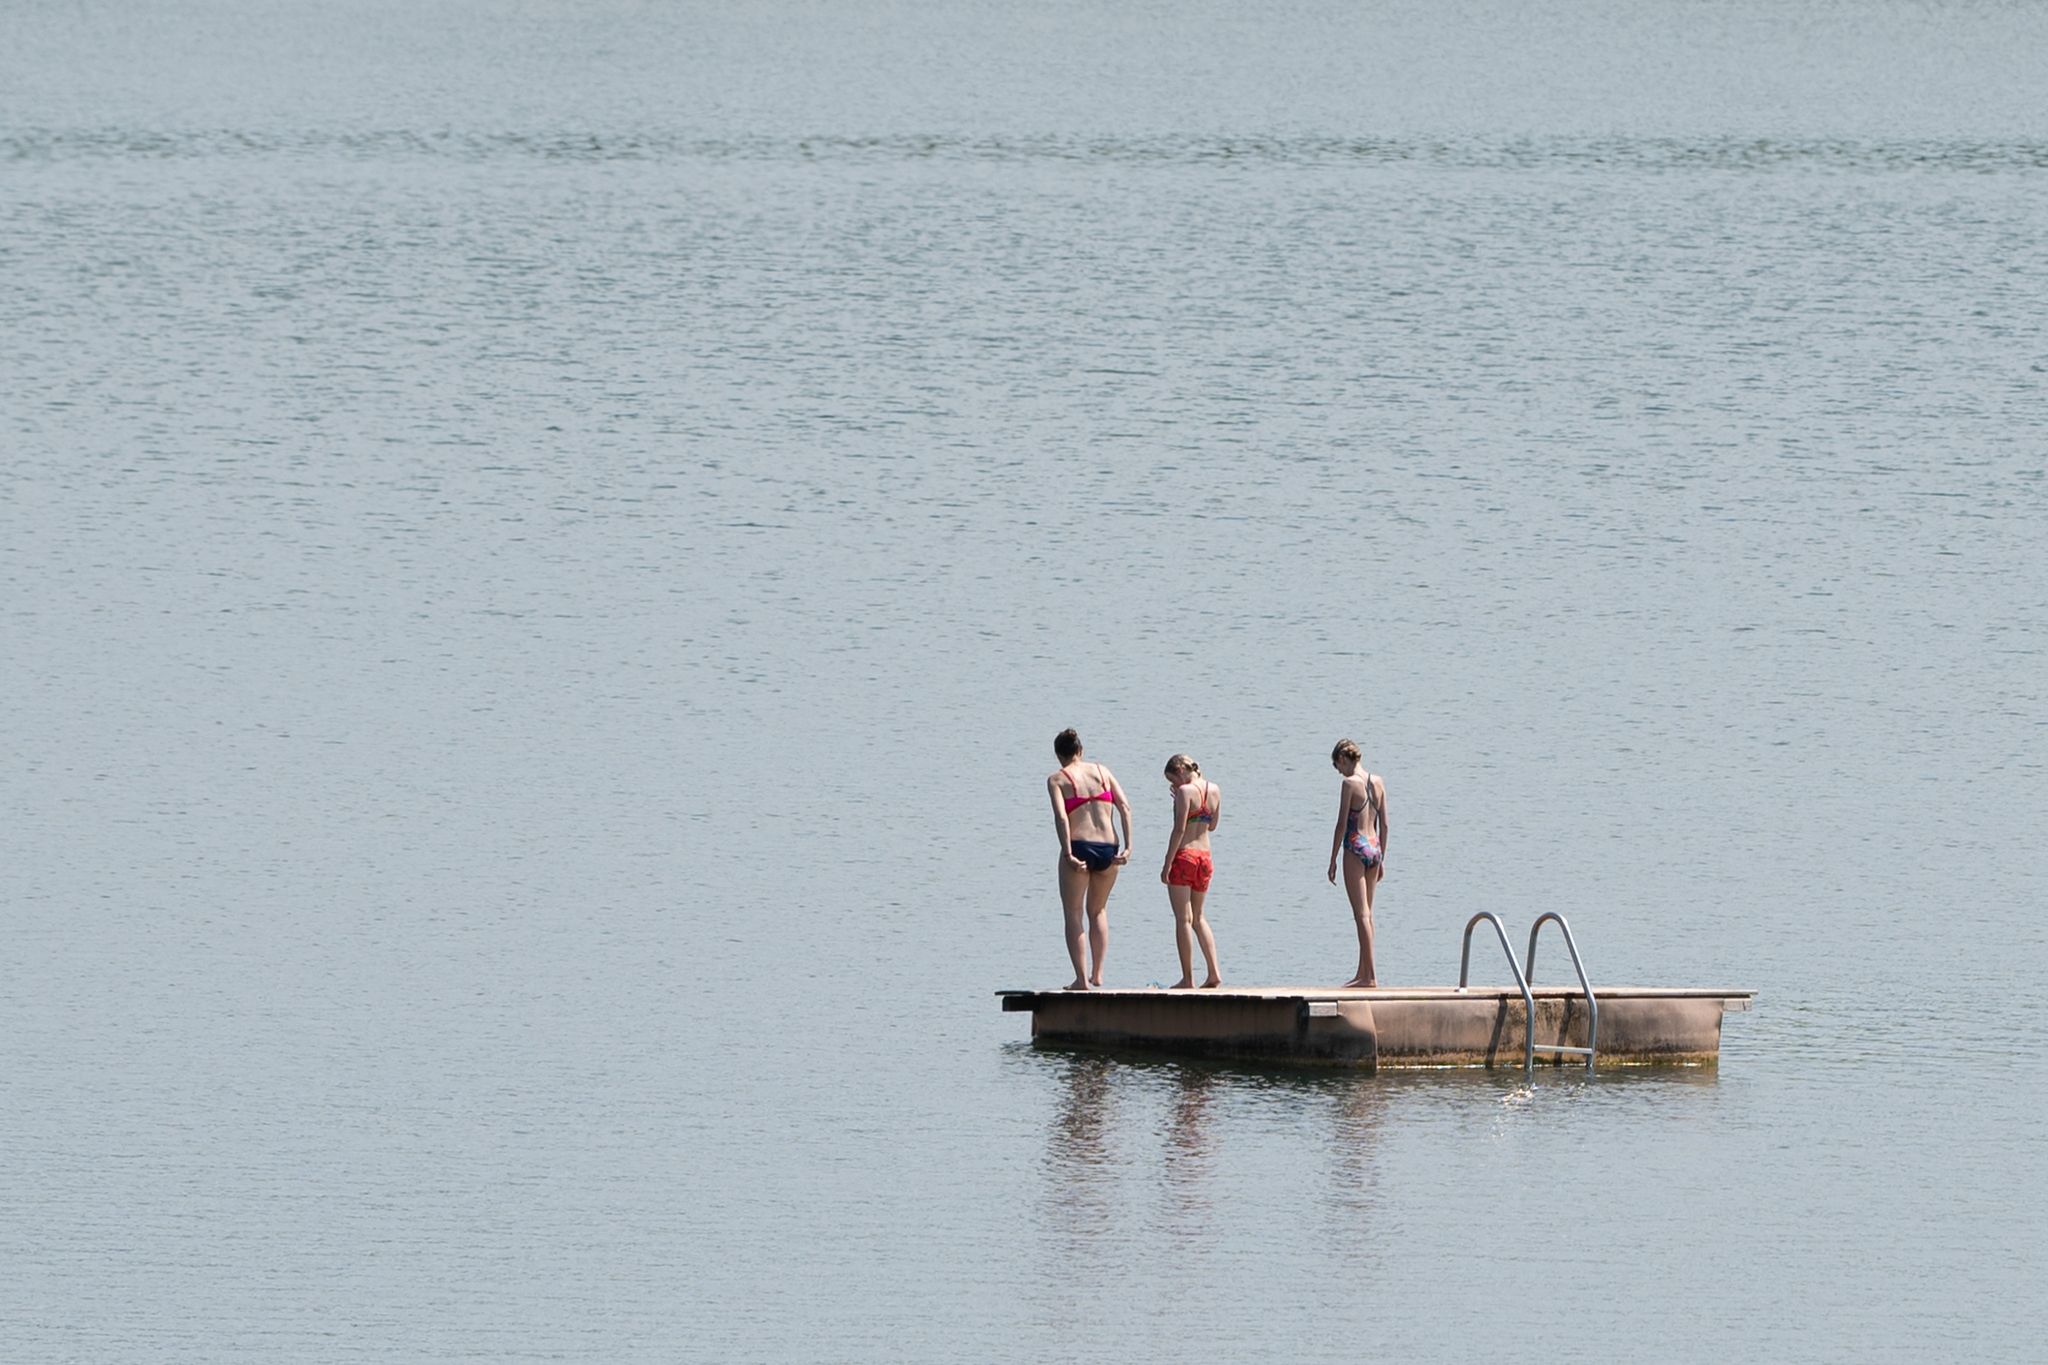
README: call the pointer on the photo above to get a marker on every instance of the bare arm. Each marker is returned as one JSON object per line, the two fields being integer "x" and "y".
{"x": 1383, "y": 826}
{"x": 1123, "y": 810}
{"x": 1337, "y": 835}
{"x": 1059, "y": 819}
{"x": 1215, "y": 806}
{"x": 1180, "y": 829}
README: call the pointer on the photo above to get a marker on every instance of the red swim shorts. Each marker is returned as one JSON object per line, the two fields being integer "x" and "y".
{"x": 1191, "y": 868}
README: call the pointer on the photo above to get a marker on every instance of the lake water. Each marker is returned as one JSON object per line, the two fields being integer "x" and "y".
{"x": 542, "y": 550}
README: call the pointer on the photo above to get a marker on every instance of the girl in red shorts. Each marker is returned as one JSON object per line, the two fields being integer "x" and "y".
{"x": 1197, "y": 805}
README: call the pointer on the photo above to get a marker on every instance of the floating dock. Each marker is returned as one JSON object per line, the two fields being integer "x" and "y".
{"x": 1393, "y": 1026}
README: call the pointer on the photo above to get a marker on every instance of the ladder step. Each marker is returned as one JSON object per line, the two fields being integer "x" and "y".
{"x": 1560, "y": 1047}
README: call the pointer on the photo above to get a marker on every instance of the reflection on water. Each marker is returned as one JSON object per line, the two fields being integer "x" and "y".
{"x": 1079, "y": 1199}
{"x": 1077, "y": 1138}
{"x": 1355, "y": 1159}
{"x": 1190, "y": 1148}
{"x": 1124, "y": 1121}
{"x": 1188, "y": 1145}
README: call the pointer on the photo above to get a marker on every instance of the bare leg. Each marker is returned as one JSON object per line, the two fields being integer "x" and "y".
{"x": 1208, "y": 941}
{"x": 1099, "y": 884}
{"x": 1183, "y": 937}
{"x": 1073, "y": 892}
{"x": 1358, "y": 885}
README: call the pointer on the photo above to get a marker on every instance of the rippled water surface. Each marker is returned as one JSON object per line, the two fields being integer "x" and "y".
{"x": 542, "y": 549}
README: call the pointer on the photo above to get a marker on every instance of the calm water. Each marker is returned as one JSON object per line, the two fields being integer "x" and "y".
{"x": 542, "y": 551}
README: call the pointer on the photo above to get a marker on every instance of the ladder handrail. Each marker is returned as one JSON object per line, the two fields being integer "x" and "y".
{"x": 1592, "y": 1005}
{"x": 1528, "y": 1000}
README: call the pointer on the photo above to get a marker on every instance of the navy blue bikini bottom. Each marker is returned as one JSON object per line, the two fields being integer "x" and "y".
{"x": 1096, "y": 856}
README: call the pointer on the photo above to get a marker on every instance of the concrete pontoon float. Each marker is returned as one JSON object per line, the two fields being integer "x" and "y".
{"x": 1402, "y": 1026}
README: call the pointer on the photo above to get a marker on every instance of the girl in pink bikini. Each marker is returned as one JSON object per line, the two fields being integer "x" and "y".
{"x": 1082, "y": 795}
{"x": 1361, "y": 841}
{"x": 1197, "y": 806}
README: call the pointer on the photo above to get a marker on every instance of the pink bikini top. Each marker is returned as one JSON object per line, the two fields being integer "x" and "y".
{"x": 1075, "y": 803}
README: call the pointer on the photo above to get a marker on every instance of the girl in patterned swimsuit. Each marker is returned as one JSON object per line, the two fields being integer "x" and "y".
{"x": 1361, "y": 841}
{"x": 1197, "y": 805}
{"x": 1082, "y": 795}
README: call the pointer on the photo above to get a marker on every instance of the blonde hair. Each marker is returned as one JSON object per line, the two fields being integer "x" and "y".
{"x": 1184, "y": 763}
{"x": 1345, "y": 749}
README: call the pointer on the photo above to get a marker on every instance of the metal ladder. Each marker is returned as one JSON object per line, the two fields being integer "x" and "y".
{"x": 1592, "y": 1005}
{"x": 1522, "y": 983}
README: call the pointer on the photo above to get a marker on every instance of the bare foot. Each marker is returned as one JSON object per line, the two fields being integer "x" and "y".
{"x": 1212, "y": 983}
{"x": 1186, "y": 983}
{"x": 1095, "y": 984}
{"x": 1358, "y": 983}
{"x": 1076, "y": 986}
